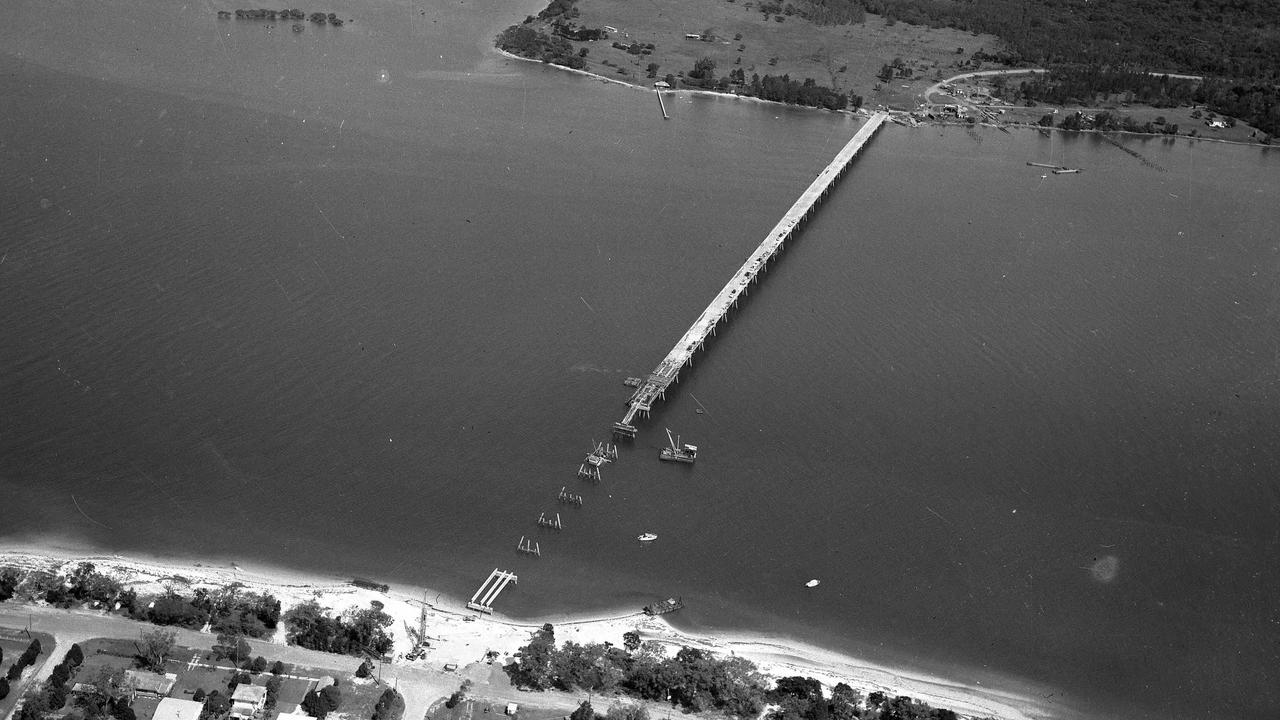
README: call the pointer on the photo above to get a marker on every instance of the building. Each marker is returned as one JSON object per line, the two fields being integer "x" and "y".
{"x": 176, "y": 709}
{"x": 294, "y": 714}
{"x": 248, "y": 700}
{"x": 141, "y": 682}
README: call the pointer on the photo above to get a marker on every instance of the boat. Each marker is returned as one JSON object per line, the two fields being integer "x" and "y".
{"x": 1066, "y": 171}
{"x": 664, "y": 606}
{"x": 813, "y": 583}
{"x": 646, "y": 537}
{"x": 675, "y": 452}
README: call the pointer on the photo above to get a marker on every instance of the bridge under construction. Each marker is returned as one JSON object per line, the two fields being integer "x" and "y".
{"x": 654, "y": 387}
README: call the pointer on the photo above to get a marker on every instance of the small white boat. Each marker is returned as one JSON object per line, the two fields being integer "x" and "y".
{"x": 646, "y": 537}
{"x": 812, "y": 583}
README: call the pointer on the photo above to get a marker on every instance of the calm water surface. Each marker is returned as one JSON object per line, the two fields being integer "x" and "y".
{"x": 358, "y": 300}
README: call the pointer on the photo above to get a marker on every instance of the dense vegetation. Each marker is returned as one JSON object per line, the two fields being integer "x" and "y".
{"x": 230, "y": 609}
{"x": 695, "y": 680}
{"x": 1226, "y": 38}
{"x": 1258, "y": 104}
{"x": 355, "y": 632}
{"x": 530, "y": 42}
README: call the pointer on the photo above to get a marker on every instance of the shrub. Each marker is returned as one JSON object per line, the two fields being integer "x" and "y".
{"x": 75, "y": 656}
{"x": 390, "y": 706}
{"x": 4, "y": 688}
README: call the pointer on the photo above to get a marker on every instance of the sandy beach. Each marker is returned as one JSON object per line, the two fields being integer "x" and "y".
{"x": 460, "y": 636}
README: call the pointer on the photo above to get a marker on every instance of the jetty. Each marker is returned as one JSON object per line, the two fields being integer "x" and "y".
{"x": 489, "y": 589}
{"x": 654, "y": 387}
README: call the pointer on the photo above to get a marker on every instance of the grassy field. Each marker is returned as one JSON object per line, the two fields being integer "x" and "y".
{"x": 845, "y": 56}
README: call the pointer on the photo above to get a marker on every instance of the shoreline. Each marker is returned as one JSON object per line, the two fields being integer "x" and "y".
{"x": 677, "y": 91}
{"x": 460, "y": 636}
{"x": 863, "y": 112}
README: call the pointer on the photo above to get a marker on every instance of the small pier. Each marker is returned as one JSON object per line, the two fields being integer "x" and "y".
{"x": 489, "y": 589}
{"x": 654, "y": 387}
{"x": 569, "y": 498}
{"x": 546, "y": 522}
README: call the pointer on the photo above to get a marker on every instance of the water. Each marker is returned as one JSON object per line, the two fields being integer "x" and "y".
{"x": 358, "y": 301}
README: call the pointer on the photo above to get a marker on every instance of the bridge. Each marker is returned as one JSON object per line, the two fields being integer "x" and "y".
{"x": 654, "y": 387}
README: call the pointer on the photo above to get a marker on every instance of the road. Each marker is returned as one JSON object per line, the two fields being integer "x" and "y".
{"x": 421, "y": 686}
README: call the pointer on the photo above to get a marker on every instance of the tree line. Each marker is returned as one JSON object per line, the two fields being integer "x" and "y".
{"x": 776, "y": 88}
{"x": 354, "y": 632}
{"x": 695, "y": 680}
{"x": 1256, "y": 104}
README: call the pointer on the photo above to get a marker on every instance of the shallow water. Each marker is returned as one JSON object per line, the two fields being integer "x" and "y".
{"x": 358, "y": 301}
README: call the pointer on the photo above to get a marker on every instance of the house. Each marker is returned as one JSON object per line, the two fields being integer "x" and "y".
{"x": 610, "y": 29}
{"x": 248, "y": 700}
{"x": 142, "y": 682}
{"x": 177, "y": 709}
{"x": 692, "y": 36}
{"x": 512, "y": 708}
{"x": 295, "y": 714}
{"x": 1216, "y": 124}
{"x": 662, "y": 85}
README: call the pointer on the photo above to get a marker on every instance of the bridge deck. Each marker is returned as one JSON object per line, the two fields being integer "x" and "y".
{"x": 656, "y": 384}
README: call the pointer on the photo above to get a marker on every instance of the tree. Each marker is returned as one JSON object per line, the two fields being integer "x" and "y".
{"x": 322, "y": 702}
{"x": 273, "y": 693}
{"x": 651, "y": 70}
{"x": 631, "y": 640}
{"x": 704, "y": 68}
{"x": 277, "y": 668}
{"x": 4, "y": 688}
{"x": 120, "y": 710}
{"x": 216, "y": 705}
{"x": 390, "y": 706}
{"x": 198, "y": 695}
{"x": 258, "y": 665}
{"x": 74, "y": 656}
{"x": 154, "y": 648}
{"x": 532, "y": 668}
{"x": 584, "y": 712}
{"x": 8, "y": 583}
